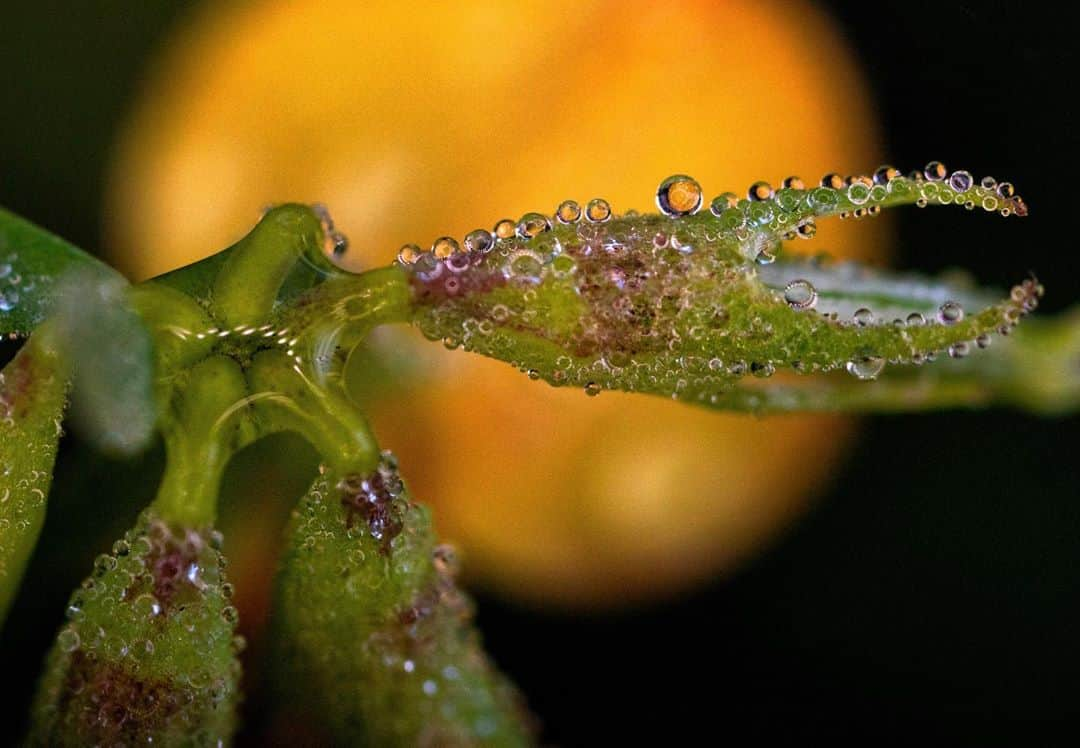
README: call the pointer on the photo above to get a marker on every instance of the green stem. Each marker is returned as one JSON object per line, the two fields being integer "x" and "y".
{"x": 247, "y": 286}
{"x": 200, "y": 435}
{"x": 289, "y": 399}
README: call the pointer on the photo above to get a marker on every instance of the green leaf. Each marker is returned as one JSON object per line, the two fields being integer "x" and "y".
{"x": 31, "y": 262}
{"x": 31, "y": 405}
{"x": 148, "y": 653}
{"x": 688, "y": 304}
{"x": 373, "y": 637}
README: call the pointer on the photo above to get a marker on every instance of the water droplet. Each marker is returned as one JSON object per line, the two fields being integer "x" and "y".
{"x": 568, "y": 212}
{"x": 68, "y": 639}
{"x": 988, "y": 183}
{"x": 863, "y": 317}
{"x": 722, "y": 202}
{"x": 961, "y": 181}
{"x": 867, "y": 367}
{"x": 885, "y": 174}
{"x": 408, "y": 254}
{"x": 959, "y": 350}
{"x": 598, "y": 210}
{"x": 806, "y": 230}
{"x": 504, "y": 229}
{"x": 526, "y": 264}
{"x": 950, "y": 313}
{"x": 858, "y": 193}
{"x": 532, "y": 225}
{"x": 759, "y": 191}
{"x": 935, "y": 171}
{"x": 800, "y": 294}
{"x": 915, "y": 320}
{"x": 832, "y": 180}
{"x": 339, "y": 243}
{"x": 104, "y": 564}
{"x": 592, "y": 389}
{"x": 1006, "y": 190}
{"x": 679, "y": 195}
{"x": 479, "y": 240}
{"x": 230, "y": 614}
{"x": 532, "y": 374}
{"x": 983, "y": 340}
{"x": 794, "y": 183}
{"x": 444, "y": 246}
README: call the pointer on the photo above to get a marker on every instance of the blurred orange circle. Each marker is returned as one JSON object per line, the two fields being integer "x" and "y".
{"x": 415, "y": 122}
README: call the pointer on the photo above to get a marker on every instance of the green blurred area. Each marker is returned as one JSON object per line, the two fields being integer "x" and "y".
{"x": 936, "y": 590}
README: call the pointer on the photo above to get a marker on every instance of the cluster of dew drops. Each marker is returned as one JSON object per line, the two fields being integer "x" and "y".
{"x": 151, "y": 570}
{"x": 787, "y": 212}
{"x": 12, "y": 284}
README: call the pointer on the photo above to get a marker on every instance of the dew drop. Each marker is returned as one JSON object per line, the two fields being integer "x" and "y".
{"x": 794, "y": 183}
{"x": 961, "y": 181}
{"x": 983, "y": 340}
{"x": 863, "y": 317}
{"x": 598, "y": 210}
{"x": 935, "y": 171}
{"x": 592, "y": 389}
{"x": 806, "y": 230}
{"x": 568, "y": 212}
{"x": 532, "y": 225}
{"x": 1006, "y": 190}
{"x": 800, "y": 294}
{"x": 858, "y": 193}
{"x": 885, "y": 174}
{"x": 832, "y": 180}
{"x": 950, "y": 313}
{"x": 988, "y": 183}
{"x": 915, "y": 320}
{"x": 867, "y": 367}
{"x": 679, "y": 195}
{"x": 444, "y": 246}
{"x": 526, "y": 265}
{"x": 504, "y": 229}
{"x": 68, "y": 639}
{"x": 339, "y": 243}
{"x": 479, "y": 240}
{"x": 532, "y": 374}
{"x": 722, "y": 202}
{"x": 759, "y": 191}
{"x": 959, "y": 350}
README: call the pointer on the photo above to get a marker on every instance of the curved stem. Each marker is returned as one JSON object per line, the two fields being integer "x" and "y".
{"x": 290, "y": 400}
{"x": 247, "y": 286}
{"x": 201, "y": 433}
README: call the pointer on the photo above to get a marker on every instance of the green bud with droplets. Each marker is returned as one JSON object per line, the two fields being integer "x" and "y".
{"x": 373, "y": 635}
{"x": 687, "y": 304}
{"x": 148, "y": 653}
{"x": 31, "y": 404}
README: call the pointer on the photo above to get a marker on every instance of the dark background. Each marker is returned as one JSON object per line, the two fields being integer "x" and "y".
{"x": 934, "y": 592}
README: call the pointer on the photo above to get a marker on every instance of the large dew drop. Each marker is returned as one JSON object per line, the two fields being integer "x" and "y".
{"x": 866, "y": 368}
{"x": 679, "y": 195}
{"x": 800, "y": 294}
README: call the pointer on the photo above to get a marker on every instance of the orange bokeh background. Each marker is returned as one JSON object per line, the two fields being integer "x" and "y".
{"x": 413, "y": 122}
